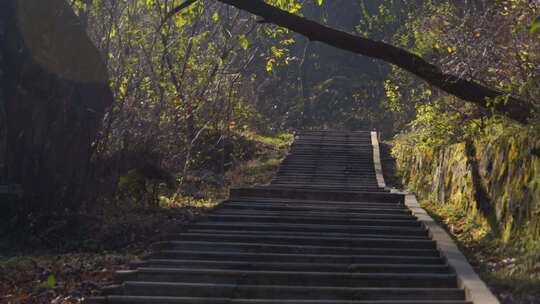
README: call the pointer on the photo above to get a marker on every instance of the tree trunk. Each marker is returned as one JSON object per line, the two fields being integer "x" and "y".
{"x": 303, "y": 83}
{"x": 482, "y": 199}
{"x": 472, "y": 91}
{"x": 55, "y": 95}
{"x": 3, "y": 115}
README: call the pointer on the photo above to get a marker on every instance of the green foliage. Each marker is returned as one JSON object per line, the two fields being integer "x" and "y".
{"x": 244, "y": 42}
{"x": 178, "y": 83}
{"x": 132, "y": 187}
{"x": 464, "y": 41}
{"x": 435, "y": 126}
{"x": 51, "y": 281}
{"x": 291, "y": 6}
{"x": 535, "y": 25}
{"x": 380, "y": 20}
{"x": 278, "y": 141}
{"x": 179, "y": 201}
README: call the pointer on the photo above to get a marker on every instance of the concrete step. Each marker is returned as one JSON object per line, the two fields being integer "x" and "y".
{"x": 321, "y": 202}
{"x": 411, "y": 222}
{"x": 338, "y": 153}
{"x": 330, "y": 161}
{"x": 237, "y": 193}
{"x": 320, "y": 230}
{"x": 320, "y": 167}
{"x": 307, "y": 153}
{"x": 282, "y": 292}
{"x": 336, "y": 150}
{"x": 335, "y": 136}
{"x": 328, "y": 137}
{"x": 167, "y": 247}
{"x": 209, "y": 300}
{"x": 276, "y": 232}
{"x": 310, "y": 207}
{"x": 323, "y": 181}
{"x": 305, "y": 267}
{"x": 316, "y": 213}
{"x": 331, "y": 214}
{"x": 336, "y": 179}
{"x": 314, "y": 139}
{"x": 356, "y": 145}
{"x": 369, "y": 207}
{"x": 329, "y": 146}
{"x": 314, "y": 241}
{"x": 314, "y": 143}
{"x": 324, "y": 184}
{"x": 316, "y": 185}
{"x": 361, "y": 180}
{"x": 289, "y": 278}
{"x": 294, "y": 233}
{"x": 340, "y": 150}
{"x": 222, "y": 255}
{"x": 307, "y": 208}
{"x": 328, "y": 169}
{"x": 315, "y": 173}
{"x": 328, "y": 156}
{"x": 311, "y": 142}
{"x": 310, "y": 185}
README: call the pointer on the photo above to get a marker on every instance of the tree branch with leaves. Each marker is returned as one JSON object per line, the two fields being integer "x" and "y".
{"x": 469, "y": 90}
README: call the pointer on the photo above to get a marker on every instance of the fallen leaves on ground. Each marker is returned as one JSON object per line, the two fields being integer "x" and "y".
{"x": 70, "y": 277}
{"x": 58, "y": 279}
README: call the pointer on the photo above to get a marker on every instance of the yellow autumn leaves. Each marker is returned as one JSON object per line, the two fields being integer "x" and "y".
{"x": 450, "y": 49}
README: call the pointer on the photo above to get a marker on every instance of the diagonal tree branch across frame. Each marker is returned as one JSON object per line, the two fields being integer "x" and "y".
{"x": 504, "y": 104}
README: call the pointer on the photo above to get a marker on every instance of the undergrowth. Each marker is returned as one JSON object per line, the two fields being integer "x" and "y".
{"x": 87, "y": 250}
{"x": 502, "y": 265}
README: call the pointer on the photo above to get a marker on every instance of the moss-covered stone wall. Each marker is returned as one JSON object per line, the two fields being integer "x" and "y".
{"x": 495, "y": 178}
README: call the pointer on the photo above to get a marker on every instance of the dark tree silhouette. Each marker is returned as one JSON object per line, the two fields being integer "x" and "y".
{"x": 54, "y": 95}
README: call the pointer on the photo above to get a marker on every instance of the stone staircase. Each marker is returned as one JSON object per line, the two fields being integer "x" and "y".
{"x": 323, "y": 232}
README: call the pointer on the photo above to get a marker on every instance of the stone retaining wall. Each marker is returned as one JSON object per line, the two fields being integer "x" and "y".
{"x": 495, "y": 178}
